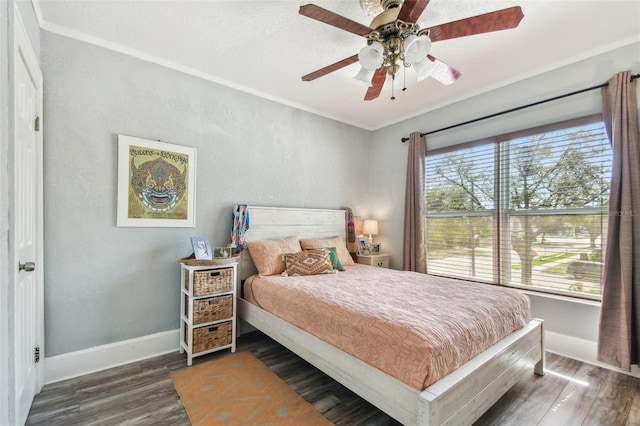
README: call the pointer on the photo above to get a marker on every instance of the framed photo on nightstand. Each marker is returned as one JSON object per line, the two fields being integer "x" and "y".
{"x": 375, "y": 248}
{"x": 201, "y": 248}
{"x": 362, "y": 246}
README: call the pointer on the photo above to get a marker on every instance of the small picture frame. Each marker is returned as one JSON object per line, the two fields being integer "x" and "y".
{"x": 222, "y": 252}
{"x": 362, "y": 246}
{"x": 201, "y": 248}
{"x": 375, "y": 248}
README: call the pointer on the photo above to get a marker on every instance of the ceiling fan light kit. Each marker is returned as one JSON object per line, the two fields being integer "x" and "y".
{"x": 395, "y": 41}
{"x": 364, "y": 76}
{"x": 416, "y": 48}
{"x": 424, "y": 69}
{"x": 371, "y": 57}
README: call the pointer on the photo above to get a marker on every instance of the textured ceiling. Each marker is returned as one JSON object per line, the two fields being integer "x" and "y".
{"x": 265, "y": 47}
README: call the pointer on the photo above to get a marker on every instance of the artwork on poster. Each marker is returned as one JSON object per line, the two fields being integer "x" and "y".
{"x": 156, "y": 183}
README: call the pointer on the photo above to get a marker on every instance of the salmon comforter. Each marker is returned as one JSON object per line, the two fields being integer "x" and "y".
{"x": 415, "y": 327}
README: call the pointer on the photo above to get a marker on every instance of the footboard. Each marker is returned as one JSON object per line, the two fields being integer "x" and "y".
{"x": 458, "y": 399}
{"x": 464, "y": 395}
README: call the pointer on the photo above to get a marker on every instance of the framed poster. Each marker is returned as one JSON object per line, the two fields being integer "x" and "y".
{"x": 156, "y": 183}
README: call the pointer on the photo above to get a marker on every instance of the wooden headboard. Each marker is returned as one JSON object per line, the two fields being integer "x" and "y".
{"x": 268, "y": 223}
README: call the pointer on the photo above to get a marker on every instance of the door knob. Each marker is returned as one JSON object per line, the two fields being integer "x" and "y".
{"x": 27, "y": 267}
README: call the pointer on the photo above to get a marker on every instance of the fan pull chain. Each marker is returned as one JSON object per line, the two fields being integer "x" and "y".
{"x": 393, "y": 81}
{"x": 404, "y": 79}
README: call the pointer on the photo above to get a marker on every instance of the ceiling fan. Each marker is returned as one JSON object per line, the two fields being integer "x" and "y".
{"x": 395, "y": 40}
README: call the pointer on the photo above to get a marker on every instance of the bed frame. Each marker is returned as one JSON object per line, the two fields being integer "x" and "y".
{"x": 460, "y": 398}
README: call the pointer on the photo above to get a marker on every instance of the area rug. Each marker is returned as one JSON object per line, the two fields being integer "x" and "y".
{"x": 239, "y": 389}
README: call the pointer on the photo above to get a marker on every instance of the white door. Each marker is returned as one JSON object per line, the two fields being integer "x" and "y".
{"x": 27, "y": 239}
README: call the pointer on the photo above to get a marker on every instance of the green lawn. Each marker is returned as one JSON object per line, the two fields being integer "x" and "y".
{"x": 543, "y": 260}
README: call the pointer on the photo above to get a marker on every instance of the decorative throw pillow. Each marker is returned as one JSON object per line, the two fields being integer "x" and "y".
{"x": 307, "y": 262}
{"x": 337, "y": 242}
{"x": 267, "y": 254}
{"x": 333, "y": 256}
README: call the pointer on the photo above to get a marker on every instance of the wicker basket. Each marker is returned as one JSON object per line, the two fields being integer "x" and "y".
{"x": 211, "y": 337}
{"x": 210, "y": 281}
{"x": 212, "y": 309}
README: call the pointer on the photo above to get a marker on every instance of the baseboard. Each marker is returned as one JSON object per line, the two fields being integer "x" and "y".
{"x": 581, "y": 350}
{"x": 78, "y": 363}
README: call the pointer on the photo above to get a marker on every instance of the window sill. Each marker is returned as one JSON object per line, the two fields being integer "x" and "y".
{"x": 560, "y": 297}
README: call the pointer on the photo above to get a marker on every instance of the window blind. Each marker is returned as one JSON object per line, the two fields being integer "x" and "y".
{"x": 525, "y": 210}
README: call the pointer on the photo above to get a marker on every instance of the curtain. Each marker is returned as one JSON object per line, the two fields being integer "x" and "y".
{"x": 618, "y": 342}
{"x": 413, "y": 250}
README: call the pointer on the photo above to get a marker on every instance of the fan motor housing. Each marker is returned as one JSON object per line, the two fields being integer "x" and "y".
{"x": 385, "y": 22}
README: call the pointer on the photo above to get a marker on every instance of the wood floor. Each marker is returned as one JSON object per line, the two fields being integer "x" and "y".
{"x": 571, "y": 393}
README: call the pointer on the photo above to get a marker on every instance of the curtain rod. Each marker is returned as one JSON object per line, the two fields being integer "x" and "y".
{"x": 599, "y": 86}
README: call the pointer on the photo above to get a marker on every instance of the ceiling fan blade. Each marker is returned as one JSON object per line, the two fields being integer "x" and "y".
{"x": 493, "y": 21}
{"x": 376, "y": 84}
{"x": 412, "y": 9}
{"x": 331, "y": 68}
{"x": 443, "y": 72}
{"x": 323, "y": 15}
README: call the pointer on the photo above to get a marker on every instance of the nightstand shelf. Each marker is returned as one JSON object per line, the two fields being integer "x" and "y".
{"x": 207, "y": 309}
{"x": 381, "y": 260}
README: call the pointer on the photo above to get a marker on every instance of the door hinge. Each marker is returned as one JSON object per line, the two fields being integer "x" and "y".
{"x": 36, "y": 354}
{"x": 36, "y": 124}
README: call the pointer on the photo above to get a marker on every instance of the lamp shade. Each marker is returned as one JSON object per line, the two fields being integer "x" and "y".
{"x": 370, "y": 227}
{"x": 416, "y": 48}
{"x": 364, "y": 76}
{"x": 371, "y": 57}
{"x": 424, "y": 68}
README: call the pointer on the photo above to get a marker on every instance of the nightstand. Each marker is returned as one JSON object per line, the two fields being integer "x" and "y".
{"x": 208, "y": 309}
{"x": 380, "y": 260}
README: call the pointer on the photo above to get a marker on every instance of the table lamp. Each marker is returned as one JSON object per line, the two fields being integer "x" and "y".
{"x": 370, "y": 227}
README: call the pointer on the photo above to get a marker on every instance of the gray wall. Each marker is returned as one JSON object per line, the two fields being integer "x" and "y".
{"x": 106, "y": 284}
{"x": 389, "y": 155}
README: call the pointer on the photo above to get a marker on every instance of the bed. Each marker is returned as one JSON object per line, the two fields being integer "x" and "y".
{"x": 459, "y": 397}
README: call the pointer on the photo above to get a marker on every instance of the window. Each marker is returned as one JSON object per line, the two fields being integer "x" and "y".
{"x": 527, "y": 210}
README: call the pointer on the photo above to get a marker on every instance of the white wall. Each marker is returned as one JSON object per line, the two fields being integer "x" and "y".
{"x": 107, "y": 284}
{"x": 562, "y": 316}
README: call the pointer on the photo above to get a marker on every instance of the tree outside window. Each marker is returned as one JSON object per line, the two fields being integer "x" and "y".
{"x": 526, "y": 211}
